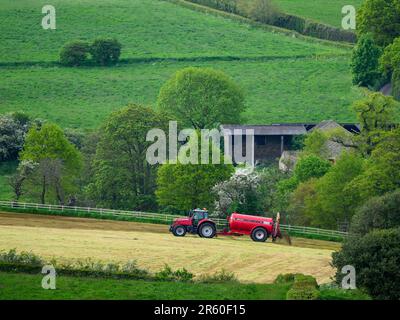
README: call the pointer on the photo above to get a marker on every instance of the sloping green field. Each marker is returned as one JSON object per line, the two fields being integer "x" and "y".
{"x": 325, "y": 11}
{"x": 285, "y": 79}
{"x": 146, "y": 28}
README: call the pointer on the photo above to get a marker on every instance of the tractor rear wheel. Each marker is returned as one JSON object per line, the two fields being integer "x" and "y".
{"x": 259, "y": 235}
{"x": 207, "y": 230}
{"x": 179, "y": 231}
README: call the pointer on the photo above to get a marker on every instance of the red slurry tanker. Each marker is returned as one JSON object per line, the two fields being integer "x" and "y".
{"x": 198, "y": 222}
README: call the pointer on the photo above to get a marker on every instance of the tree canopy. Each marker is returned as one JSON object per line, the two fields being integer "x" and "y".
{"x": 122, "y": 176}
{"x": 381, "y": 18}
{"x": 201, "y": 98}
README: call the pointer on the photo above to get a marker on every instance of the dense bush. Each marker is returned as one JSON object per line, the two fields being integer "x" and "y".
{"x": 167, "y": 274}
{"x": 311, "y": 167}
{"x": 263, "y": 11}
{"x": 12, "y": 136}
{"x": 27, "y": 258}
{"x": 105, "y": 51}
{"x": 377, "y": 213}
{"x": 218, "y": 277}
{"x": 74, "y": 53}
{"x": 304, "y": 287}
{"x": 376, "y": 259}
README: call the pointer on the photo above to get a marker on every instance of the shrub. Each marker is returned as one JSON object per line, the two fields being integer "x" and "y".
{"x": 74, "y": 53}
{"x": 307, "y": 293}
{"x": 167, "y": 274}
{"x": 105, "y": 51}
{"x": 263, "y": 11}
{"x": 377, "y": 213}
{"x": 311, "y": 167}
{"x": 285, "y": 278}
{"x": 218, "y": 277}
{"x": 304, "y": 287}
{"x": 23, "y": 258}
{"x": 376, "y": 259}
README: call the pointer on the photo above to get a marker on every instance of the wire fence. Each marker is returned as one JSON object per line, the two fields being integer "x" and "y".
{"x": 148, "y": 217}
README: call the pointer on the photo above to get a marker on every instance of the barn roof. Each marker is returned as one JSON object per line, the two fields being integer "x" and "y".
{"x": 270, "y": 130}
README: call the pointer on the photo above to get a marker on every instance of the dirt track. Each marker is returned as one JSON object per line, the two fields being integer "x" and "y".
{"x": 152, "y": 246}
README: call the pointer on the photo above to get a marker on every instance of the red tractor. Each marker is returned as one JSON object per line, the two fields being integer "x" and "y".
{"x": 259, "y": 228}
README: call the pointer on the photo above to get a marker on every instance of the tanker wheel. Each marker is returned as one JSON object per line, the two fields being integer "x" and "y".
{"x": 207, "y": 230}
{"x": 179, "y": 231}
{"x": 259, "y": 235}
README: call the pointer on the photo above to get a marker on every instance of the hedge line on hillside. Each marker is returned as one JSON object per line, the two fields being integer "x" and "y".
{"x": 287, "y": 21}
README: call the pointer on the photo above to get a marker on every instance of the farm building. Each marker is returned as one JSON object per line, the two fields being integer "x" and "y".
{"x": 275, "y": 142}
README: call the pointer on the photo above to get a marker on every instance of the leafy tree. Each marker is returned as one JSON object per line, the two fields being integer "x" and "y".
{"x": 381, "y": 18}
{"x": 238, "y": 194}
{"x": 12, "y": 136}
{"x": 201, "y": 98}
{"x": 263, "y": 11}
{"x": 311, "y": 167}
{"x": 16, "y": 181}
{"x": 377, "y": 213}
{"x": 365, "y": 61}
{"x": 301, "y": 201}
{"x": 390, "y": 59}
{"x": 186, "y": 186}
{"x": 58, "y": 160}
{"x": 122, "y": 177}
{"x": 376, "y": 258}
{"x": 285, "y": 188}
{"x": 105, "y": 51}
{"x": 335, "y": 202}
{"x": 315, "y": 143}
{"x": 74, "y": 53}
{"x": 375, "y": 114}
{"x": 381, "y": 173}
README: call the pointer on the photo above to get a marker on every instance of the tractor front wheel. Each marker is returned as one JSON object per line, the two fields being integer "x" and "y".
{"x": 207, "y": 230}
{"x": 179, "y": 231}
{"x": 259, "y": 235}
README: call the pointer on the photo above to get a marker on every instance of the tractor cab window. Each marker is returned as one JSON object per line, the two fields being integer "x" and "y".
{"x": 198, "y": 215}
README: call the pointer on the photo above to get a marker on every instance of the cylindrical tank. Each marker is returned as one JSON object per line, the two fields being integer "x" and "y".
{"x": 243, "y": 223}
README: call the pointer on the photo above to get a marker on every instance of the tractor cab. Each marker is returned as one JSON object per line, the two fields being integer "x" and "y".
{"x": 197, "y": 223}
{"x": 197, "y": 215}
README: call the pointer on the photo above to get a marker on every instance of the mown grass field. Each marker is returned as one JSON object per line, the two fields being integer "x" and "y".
{"x": 282, "y": 78}
{"x": 152, "y": 246}
{"x": 24, "y": 286}
{"x": 325, "y": 11}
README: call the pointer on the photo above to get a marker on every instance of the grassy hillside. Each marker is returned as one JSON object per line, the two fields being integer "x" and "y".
{"x": 292, "y": 90}
{"x": 325, "y": 11}
{"x": 150, "y": 28}
{"x": 282, "y": 79}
